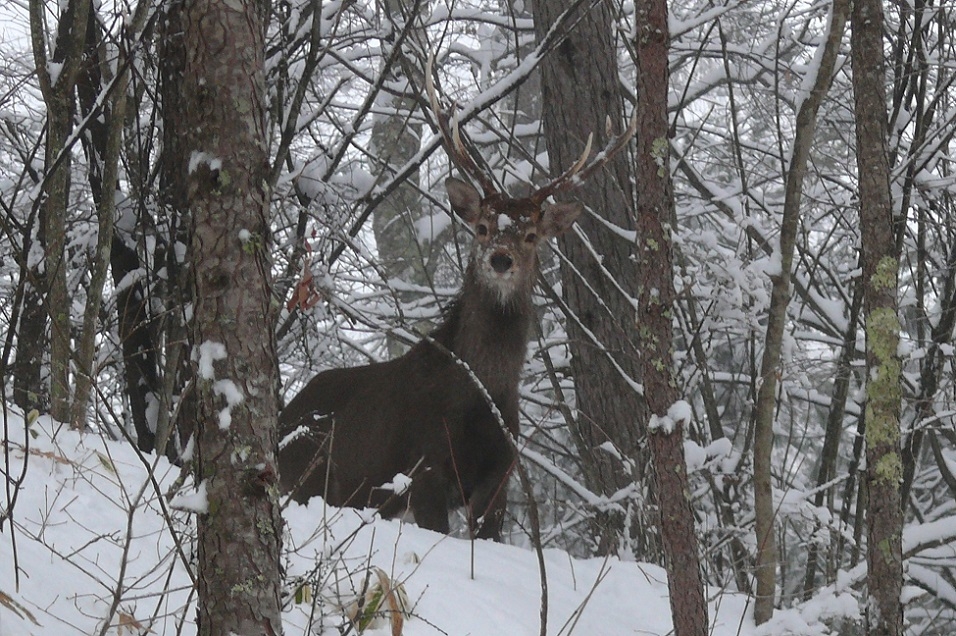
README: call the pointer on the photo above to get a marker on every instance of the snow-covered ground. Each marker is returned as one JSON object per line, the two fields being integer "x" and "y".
{"x": 91, "y": 540}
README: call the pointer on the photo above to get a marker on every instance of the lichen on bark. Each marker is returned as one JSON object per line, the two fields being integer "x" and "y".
{"x": 889, "y": 468}
{"x": 885, "y": 276}
{"x": 883, "y": 390}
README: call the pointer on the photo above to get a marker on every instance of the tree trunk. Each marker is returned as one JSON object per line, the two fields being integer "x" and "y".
{"x": 58, "y": 97}
{"x": 580, "y": 90}
{"x": 132, "y": 302}
{"x": 53, "y": 216}
{"x": 655, "y": 317}
{"x": 395, "y": 141}
{"x": 106, "y": 161}
{"x": 177, "y": 374}
{"x": 884, "y": 613}
{"x": 29, "y": 391}
{"x": 765, "y": 566}
{"x": 234, "y": 316}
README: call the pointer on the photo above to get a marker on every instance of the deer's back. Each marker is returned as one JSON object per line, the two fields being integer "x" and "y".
{"x": 377, "y": 420}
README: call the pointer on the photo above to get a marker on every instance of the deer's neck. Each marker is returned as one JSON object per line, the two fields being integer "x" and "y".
{"x": 489, "y": 333}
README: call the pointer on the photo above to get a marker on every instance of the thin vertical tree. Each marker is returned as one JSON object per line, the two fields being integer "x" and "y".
{"x": 103, "y": 145}
{"x": 135, "y": 320}
{"x": 57, "y": 71}
{"x": 765, "y": 565}
{"x": 234, "y": 315}
{"x": 655, "y": 316}
{"x": 107, "y": 173}
{"x": 880, "y": 264}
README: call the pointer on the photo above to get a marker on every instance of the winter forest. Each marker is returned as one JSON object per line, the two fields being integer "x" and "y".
{"x": 736, "y": 409}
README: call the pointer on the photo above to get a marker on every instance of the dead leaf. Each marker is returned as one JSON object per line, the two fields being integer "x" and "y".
{"x": 128, "y": 623}
{"x": 106, "y": 462}
{"x": 17, "y": 608}
{"x": 384, "y": 599}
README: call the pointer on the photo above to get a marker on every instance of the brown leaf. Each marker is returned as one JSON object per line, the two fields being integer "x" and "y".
{"x": 17, "y": 608}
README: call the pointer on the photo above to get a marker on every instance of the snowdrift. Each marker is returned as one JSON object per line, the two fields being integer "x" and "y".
{"x": 95, "y": 548}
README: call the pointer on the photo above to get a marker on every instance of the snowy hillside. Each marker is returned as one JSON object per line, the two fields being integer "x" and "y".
{"x": 92, "y": 539}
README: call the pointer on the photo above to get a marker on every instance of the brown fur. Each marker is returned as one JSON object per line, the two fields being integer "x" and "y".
{"x": 423, "y": 414}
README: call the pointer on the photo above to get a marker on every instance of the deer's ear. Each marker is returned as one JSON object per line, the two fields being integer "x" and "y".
{"x": 464, "y": 199}
{"x": 558, "y": 217}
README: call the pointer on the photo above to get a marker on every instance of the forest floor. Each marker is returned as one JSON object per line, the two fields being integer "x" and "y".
{"x": 91, "y": 551}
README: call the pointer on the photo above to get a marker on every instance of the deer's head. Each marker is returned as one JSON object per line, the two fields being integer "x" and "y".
{"x": 507, "y": 233}
{"x": 508, "y": 230}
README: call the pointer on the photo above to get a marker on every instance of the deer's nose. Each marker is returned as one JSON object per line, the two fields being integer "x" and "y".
{"x": 501, "y": 262}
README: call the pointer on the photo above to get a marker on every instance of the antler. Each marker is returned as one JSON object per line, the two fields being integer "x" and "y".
{"x": 572, "y": 178}
{"x": 452, "y": 137}
{"x": 577, "y": 174}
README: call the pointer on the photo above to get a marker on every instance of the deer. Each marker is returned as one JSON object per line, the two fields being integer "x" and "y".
{"x": 445, "y": 413}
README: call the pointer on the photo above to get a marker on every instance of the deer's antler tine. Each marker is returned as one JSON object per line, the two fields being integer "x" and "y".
{"x": 578, "y": 173}
{"x": 583, "y": 159}
{"x": 563, "y": 181}
{"x": 456, "y": 141}
{"x": 452, "y": 137}
{"x": 430, "y": 90}
{"x": 614, "y": 145}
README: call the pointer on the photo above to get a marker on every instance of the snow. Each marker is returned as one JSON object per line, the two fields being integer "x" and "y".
{"x": 54, "y": 69}
{"x": 209, "y": 352}
{"x": 941, "y": 532}
{"x": 130, "y": 279}
{"x": 198, "y": 158}
{"x": 698, "y": 457}
{"x": 430, "y": 226}
{"x": 564, "y": 478}
{"x": 233, "y": 396}
{"x": 931, "y": 579}
{"x": 679, "y": 412}
{"x": 89, "y": 523}
{"x": 194, "y": 500}
{"x": 187, "y": 454}
{"x": 808, "y": 619}
{"x": 180, "y": 249}
{"x": 399, "y": 485}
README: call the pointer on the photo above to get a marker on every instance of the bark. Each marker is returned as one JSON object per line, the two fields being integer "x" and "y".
{"x": 655, "y": 314}
{"x": 765, "y": 565}
{"x": 29, "y": 391}
{"x": 56, "y": 74}
{"x": 27, "y": 324}
{"x": 234, "y": 317}
{"x": 580, "y": 90}
{"x": 53, "y": 216}
{"x": 884, "y": 614}
{"x": 176, "y": 375}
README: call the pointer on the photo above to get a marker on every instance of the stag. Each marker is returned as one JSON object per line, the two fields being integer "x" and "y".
{"x": 446, "y": 412}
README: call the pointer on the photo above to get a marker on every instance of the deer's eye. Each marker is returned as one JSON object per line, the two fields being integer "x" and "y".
{"x": 530, "y": 237}
{"x": 482, "y": 229}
